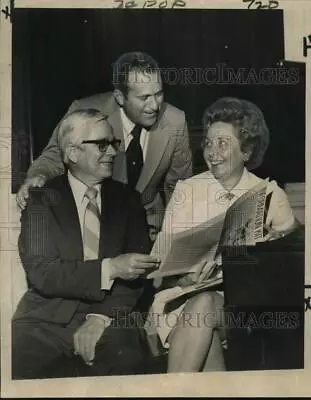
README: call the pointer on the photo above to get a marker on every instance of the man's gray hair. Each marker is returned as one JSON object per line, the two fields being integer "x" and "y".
{"x": 73, "y": 125}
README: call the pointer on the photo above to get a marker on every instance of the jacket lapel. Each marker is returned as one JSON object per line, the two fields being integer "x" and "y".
{"x": 119, "y": 168}
{"x": 111, "y": 220}
{"x": 115, "y": 121}
{"x": 158, "y": 139}
{"x": 66, "y": 213}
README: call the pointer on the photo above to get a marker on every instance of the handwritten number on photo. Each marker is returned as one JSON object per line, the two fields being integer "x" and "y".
{"x": 151, "y": 3}
{"x": 259, "y": 5}
{"x": 178, "y": 3}
{"x": 126, "y": 4}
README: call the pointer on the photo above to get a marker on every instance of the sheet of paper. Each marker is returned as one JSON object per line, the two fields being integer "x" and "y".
{"x": 240, "y": 225}
{"x": 182, "y": 251}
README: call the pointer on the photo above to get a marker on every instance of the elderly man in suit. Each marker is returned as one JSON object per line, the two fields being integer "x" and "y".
{"x": 155, "y": 151}
{"x": 84, "y": 245}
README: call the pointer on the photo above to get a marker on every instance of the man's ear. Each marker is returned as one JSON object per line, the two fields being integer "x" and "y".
{"x": 72, "y": 154}
{"x": 119, "y": 97}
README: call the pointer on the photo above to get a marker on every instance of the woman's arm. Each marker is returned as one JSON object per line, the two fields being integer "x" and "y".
{"x": 280, "y": 218}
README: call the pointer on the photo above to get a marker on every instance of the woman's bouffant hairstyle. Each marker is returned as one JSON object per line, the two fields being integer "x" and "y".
{"x": 251, "y": 128}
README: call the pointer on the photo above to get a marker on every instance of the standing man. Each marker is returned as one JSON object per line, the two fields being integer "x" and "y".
{"x": 84, "y": 245}
{"x": 154, "y": 152}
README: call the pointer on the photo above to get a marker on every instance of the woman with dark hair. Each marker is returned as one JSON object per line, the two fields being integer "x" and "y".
{"x": 235, "y": 140}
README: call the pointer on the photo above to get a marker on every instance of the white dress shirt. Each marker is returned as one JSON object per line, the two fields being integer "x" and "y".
{"x": 201, "y": 198}
{"x": 127, "y": 126}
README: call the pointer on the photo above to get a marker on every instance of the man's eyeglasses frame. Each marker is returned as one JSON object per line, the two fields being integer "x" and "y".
{"x": 103, "y": 144}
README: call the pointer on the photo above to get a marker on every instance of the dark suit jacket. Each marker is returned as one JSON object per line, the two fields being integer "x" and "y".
{"x": 168, "y": 157}
{"x": 51, "y": 250}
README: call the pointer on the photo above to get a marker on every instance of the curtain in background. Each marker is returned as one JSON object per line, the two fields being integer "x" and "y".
{"x": 64, "y": 54}
{"x": 21, "y": 100}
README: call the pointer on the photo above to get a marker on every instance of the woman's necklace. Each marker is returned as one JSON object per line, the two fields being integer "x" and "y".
{"x": 229, "y": 196}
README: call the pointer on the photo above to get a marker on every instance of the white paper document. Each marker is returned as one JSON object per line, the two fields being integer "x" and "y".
{"x": 242, "y": 224}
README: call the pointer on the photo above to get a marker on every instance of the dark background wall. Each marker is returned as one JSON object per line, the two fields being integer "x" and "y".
{"x": 60, "y": 55}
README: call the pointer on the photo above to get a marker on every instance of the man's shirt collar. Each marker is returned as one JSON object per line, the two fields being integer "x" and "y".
{"x": 127, "y": 124}
{"x": 79, "y": 188}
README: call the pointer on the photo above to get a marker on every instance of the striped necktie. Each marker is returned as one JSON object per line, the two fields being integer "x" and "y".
{"x": 91, "y": 227}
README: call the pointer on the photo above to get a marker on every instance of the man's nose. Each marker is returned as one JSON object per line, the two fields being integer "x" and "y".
{"x": 111, "y": 151}
{"x": 153, "y": 103}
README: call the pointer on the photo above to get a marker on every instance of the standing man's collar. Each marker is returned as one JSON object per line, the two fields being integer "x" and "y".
{"x": 127, "y": 124}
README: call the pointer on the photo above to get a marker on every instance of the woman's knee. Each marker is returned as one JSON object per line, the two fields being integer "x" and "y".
{"x": 203, "y": 301}
{"x": 205, "y": 309}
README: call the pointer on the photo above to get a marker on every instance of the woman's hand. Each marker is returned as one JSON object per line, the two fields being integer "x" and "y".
{"x": 193, "y": 277}
{"x": 186, "y": 280}
{"x": 202, "y": 274}
{"x": 273, "y": 234}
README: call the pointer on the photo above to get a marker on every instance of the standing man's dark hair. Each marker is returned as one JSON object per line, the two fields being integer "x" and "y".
{"x": 135, "y": 60}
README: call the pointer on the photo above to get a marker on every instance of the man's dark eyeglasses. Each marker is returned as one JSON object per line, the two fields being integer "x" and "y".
{"x": 103, "y": 144}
